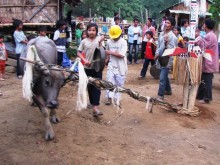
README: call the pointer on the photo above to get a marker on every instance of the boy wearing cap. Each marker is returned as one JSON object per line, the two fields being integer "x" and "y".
{"x": 117, "y": 61}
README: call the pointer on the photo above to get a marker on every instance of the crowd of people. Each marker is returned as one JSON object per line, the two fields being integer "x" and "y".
{"x": 117, "y": 60}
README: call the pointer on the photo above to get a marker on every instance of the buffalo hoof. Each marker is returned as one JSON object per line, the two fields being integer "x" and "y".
{"x": 54, "y": 119}
{"x": 49, "y": 135}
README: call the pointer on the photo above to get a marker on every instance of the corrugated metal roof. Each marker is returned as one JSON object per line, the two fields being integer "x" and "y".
{"x": 185, "y": 12}
{"x": 178, "y": 4}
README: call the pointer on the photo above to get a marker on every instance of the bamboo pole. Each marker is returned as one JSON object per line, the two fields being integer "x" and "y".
{"x": 38, "y": 5}
{"x": 29, "y": 24}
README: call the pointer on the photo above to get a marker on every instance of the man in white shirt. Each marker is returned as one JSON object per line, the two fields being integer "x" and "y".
{"x": 134, "y": 32}
{"x": 117, "y": 61}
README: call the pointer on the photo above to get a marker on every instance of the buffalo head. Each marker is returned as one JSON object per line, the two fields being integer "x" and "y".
{"x": 47, "y": 85}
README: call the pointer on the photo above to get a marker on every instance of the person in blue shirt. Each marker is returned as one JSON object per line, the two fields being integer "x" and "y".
{"x": 20, "y": 41}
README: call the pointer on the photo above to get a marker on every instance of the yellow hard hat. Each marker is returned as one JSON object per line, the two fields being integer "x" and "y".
{"x": 115, "y": 31}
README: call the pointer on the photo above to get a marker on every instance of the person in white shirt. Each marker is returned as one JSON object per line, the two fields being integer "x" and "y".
{"x": 134, "y": 32}
{"x": 117, "y": 61}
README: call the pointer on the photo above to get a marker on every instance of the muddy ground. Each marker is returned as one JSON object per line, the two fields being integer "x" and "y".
{"x": 136, "y": 137}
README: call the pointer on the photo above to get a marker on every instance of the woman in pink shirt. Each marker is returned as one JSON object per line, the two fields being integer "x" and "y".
{"x": 208, "y": 67}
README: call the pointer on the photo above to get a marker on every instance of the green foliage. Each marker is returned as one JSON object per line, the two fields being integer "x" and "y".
{"x": 129, "y": 8}
{"x": 71, "y": 51}
{"x": 215, "y": 10}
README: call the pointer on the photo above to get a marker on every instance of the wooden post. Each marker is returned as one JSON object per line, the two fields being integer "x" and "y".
{"x": 189, "y": 93}
{"x": 190, "y": 88}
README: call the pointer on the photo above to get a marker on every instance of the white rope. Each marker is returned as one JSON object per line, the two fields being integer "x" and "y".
{"x": 28, "y": 73}
{"x": 116, "y": 98}
{"x": 148, "y": 103}
{"x": 82, "y": 94}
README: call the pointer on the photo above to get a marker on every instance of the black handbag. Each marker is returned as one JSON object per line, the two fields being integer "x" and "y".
{"x": 163, "y": 60}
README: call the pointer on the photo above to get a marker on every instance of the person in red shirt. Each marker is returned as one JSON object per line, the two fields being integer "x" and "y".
{"x": 149, "y": 54}
{"x": 147, "y": 27}
{"x": 3, "y": 58}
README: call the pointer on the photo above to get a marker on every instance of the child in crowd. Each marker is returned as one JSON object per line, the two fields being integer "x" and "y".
{"x": 117, "y": 66}
{"x": 180, "y": 44}
{"x": 20, "y": 41}
{"x": 3, "y": 58}
{"x": 117, "y": 22}
{"x": 177, "y": 32}
{"x": 185, "y": 41}
{"x": 199, "y": 39}
{"x": 60, "y": 40}
{"x": 84, "y": 35}
{"x": 88, "y": 45}
{"x": 79, "y": 28}
{"x": 43, "y": 31}
{"x": 149, "y": 54}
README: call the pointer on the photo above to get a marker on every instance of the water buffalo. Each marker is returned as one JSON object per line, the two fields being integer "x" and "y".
{"x": 46, "y": 83}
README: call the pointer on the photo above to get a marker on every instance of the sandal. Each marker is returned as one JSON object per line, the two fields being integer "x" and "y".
{"x": 140, "y": 77}
{"x": 97, "y": 113}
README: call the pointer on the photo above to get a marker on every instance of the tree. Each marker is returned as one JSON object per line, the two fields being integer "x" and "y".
{"x": 129, "y": 8}
{"x": 215, "y": 10}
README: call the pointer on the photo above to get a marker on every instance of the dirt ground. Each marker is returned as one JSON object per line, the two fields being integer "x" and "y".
{"x": 137, "y": 137}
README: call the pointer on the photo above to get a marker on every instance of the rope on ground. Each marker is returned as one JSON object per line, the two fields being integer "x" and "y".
{"x": 106, "y": 85}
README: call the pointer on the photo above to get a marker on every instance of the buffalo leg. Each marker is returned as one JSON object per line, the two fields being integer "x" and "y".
{"x": 49, "y": 134}
{"x": 53, "y": 118}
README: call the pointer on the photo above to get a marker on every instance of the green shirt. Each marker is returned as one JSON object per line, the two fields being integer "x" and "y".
{"x": 78, "y": 33}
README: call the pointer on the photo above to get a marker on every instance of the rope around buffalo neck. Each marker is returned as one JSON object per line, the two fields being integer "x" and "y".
{"x": 27, "y": 80}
